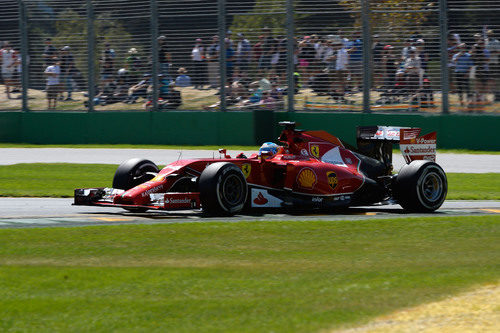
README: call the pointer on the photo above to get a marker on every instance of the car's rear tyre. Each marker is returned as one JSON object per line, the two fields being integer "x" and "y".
{"x": 223, "y": 189}
{"x": 421, "y": 186}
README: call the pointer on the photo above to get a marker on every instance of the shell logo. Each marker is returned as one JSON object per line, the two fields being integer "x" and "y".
{"x": 306, "y": 178}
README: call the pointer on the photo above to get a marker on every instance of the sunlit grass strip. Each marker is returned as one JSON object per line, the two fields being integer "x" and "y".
{"x": 237, "y": 277}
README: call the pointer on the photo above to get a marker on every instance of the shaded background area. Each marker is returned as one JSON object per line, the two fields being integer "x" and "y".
{"x": 375, "y": 35}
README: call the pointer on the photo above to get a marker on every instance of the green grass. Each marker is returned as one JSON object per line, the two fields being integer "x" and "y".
{"x": 59, "y": 180}
{"x": 474, "y": 186}
{"x": 52, "y": 180}
{"x": 237, "y": 277}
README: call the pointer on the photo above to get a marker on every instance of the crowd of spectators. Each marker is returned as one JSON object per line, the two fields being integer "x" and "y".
{"x": 329, "y": 65}
{"x": 474, "y": 68}
{"x": 10, "y": 61}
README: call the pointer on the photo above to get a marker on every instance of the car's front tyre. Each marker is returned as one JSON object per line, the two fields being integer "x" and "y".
{"x": 134, "y": 172}
{"x": 223, "y": 189}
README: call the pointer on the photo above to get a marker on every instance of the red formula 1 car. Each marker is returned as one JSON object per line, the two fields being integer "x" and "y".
{"x": 312, "y": 170}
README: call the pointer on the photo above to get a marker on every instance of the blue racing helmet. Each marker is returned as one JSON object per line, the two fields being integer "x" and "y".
{"x": 268, "y": 149}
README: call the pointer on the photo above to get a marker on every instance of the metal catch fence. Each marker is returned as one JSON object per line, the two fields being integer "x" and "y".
{"x": 285, "y": 55}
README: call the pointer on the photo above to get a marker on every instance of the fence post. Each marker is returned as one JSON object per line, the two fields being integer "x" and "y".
{"x": 221, "y": 17}
{"x": 367, "y": 54}
{"x": 23, "y": 29}
{"x": 443, "y": 39}
{"x": 290, "y": 44}
{"x": 91, "y": 54}
{"x": 154, "y": 50}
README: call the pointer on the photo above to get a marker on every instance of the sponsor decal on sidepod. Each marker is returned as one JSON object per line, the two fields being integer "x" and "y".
{"x": 306, "y": 178}
{"x": 262, "y": 198}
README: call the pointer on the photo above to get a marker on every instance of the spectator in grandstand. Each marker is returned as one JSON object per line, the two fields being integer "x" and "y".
{"x": 268, "y": 49}
{"x": 139, "y": 90}
{"x": 133, "y": 65}
{"x": 273, "y": 98}
{"x": 67, "y": 70}
{"x": 320, "y": 82}
{"x": 172, "y": 100}
{"x": 422, "y": 53}
{"x": 493, "y": 46}
{"x": 330, "y": 60}
{"x": 229, "y": 38}
{"x": 389, "y": 65}
{"x": 164, "y": 94}
{"x": 164, "y": 56}
{"x": 107, "y": 67}
{"x": 199, "y": 65}
{"x": 120, "y": 93}
{"x": 412, "y": 70}
{"x": 49, "y": 52}
{"x": 319, "y": 47}
{"x": 17, "y": 73}
{"x": 104, "y": 94}
{"x": 276, "y": 92}
{"x": 182, "y": 80}
{"x": 341, "y": 70}
{"x": 212, "y": 57}
{"x": 462, "y": 63}
{"x": 52, "y": 73}
{"x": 257, "y": 49}
{"x": 356, "y": 60}
{"x": 9, "y": 62}
{"x": 452, "y": 45}
{"x": 281, "y": 63}
{"x": 164, "y": 86}
{"x": 229, "y": 63}
{"x": 306, "y": 55}
{"x": 267, "y": 101}
{"x": 481, "y": 57}
{"x": 377, "y": 54}
{"x": 243, "y": 53}
{"x": 405, "y": 52}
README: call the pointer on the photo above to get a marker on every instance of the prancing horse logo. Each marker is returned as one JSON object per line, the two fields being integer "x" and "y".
{"x": 246, "y": 169}
{"x": 315, "y": 151}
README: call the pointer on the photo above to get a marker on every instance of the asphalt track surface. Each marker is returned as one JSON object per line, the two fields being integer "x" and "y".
{"x": 44, "y": 212}
{"x": 465, "y": 163}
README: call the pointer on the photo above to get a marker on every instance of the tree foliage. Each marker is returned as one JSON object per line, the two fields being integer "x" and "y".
{"x": 405, "y": 17}
{"x": 71, "y": 30}
{"x": 261, "y": 16}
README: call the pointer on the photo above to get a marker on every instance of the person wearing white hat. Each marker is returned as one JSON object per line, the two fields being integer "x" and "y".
{"x": 8, "y": 62}
{"x": 133, "y": 64}
{"x": 199, "y": 65}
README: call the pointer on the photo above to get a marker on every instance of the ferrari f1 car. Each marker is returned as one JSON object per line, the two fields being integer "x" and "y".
{"x": 311, "y": 170}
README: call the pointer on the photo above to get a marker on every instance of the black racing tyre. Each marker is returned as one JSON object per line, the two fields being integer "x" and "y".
{"x": 223, "y": 189}
{"x": 134, "y": 172}
{"x": 421, "y": 186}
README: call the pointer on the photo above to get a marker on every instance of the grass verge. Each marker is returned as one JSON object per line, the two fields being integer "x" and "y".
{"x": 59, "y": 180}
{"x": 237, "y": 277}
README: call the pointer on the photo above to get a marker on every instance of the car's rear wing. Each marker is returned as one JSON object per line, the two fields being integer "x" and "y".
{"x": 377, "y": 142}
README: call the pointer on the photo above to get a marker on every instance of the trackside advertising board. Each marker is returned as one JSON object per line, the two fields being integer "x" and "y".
{"x": 415, "y": 147}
